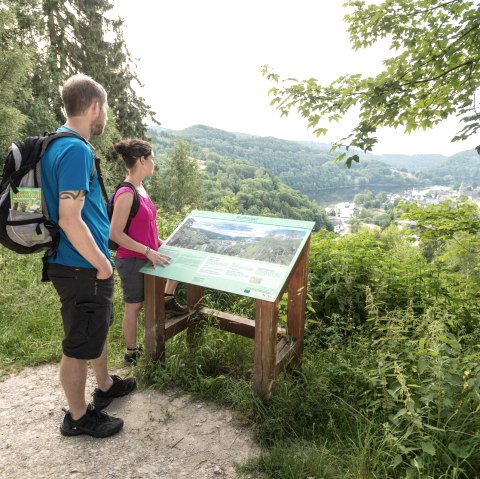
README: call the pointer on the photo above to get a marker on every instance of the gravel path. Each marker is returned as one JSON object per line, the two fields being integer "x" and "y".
{"x": 166, "y": 435}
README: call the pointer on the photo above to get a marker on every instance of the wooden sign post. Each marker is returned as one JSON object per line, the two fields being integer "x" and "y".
{"x": 274, "y": 347}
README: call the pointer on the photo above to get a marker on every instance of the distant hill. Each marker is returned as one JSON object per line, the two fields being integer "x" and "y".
{"x": 460, "y": 168}
{"x": 412, "y": 163}
{"x": 304, "y": 166}
{"x": 234, "y": 182}
{"x": 308, "y": 167}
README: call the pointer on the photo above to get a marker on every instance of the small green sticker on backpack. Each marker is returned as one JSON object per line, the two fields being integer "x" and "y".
{"x": 28, "y": 200}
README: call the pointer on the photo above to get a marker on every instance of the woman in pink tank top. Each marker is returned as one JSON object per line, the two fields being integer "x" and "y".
{"x": 140, "y": 243}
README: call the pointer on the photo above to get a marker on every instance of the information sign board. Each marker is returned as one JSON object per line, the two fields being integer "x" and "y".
{"x": 246, "y": 255}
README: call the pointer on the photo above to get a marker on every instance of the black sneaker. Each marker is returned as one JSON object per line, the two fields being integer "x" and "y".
{"x": 94, "y": 423}
{"x": 120, "y": 387}
{"x": 172, "y": 307}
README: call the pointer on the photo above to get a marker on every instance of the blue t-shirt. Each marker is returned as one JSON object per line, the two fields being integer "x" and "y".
{"x": 67, "y": 166}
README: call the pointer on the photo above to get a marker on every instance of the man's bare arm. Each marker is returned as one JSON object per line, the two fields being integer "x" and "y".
{"x": 72, "y": 195}
{"x": 78, "y": 233}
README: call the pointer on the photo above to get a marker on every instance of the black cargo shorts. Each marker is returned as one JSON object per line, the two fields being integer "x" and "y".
{"x": 87, "y": 310}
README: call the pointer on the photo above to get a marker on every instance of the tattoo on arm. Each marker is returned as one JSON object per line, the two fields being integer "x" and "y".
{"x": 72, "y": 195}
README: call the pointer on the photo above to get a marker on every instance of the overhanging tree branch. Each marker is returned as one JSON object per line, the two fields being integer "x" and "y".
{"x": 441, "y": 55}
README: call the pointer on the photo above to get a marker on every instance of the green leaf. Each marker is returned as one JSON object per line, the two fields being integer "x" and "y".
{"x": 459, "y": 450}
{"x": 428, "y": 448}
{"x": 422, "y": 365}
{"x": 450, "y": 341}
{"x": 397, "y": 460}
{"x": 400, "y": 413}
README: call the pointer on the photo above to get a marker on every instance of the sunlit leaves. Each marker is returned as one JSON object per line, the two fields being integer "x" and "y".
{"x": 434, "y": 73}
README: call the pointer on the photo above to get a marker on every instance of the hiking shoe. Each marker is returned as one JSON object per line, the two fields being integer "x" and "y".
{"x": 172, "y": 307}
{"x": 120, "y": 387}
{"x": 94, "y": 423}
{"x": 132, "y": 355}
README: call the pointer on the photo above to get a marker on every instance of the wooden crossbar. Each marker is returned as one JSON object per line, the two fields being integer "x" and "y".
{"x": 176, "y": 325}
{"x": 274, "y": 347}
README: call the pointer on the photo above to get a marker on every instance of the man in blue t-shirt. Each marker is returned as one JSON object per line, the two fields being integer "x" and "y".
{"x": 81, "y": 269}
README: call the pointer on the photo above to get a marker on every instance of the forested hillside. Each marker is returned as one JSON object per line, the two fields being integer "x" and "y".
{"x": 306, "y": 169}
{"x": 463, "y": 167}
{"x": 412, "y": 163}
{"x": 224, "y": 183}
{"x": 256, "y": 191}
{"x": 309, "y": 168}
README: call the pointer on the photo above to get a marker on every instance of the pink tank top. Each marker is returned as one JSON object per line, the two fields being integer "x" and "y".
{"x": 143, "y": 227}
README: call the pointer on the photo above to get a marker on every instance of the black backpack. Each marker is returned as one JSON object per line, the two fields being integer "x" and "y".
{"x": 133, "y": 210}
{"x": 25, "y": 226}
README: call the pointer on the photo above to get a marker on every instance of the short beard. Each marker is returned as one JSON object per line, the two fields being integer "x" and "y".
{"x": 97, "y": 129}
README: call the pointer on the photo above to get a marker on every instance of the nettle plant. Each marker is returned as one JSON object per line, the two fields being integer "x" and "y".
{"x": 426, "y": 385}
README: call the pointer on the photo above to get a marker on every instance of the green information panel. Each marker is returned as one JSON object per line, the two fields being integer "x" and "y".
{"x": 247, "y": 255}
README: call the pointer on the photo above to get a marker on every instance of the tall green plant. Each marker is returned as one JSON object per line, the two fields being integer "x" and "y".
{"x": 342, "y": 269}
{"x": 71, "y": 37}
{"x": 178, "y": 186}
{"x": 449, "y": 235}
{"x": 15, "y": 64}
{"x": 426, "y": 387}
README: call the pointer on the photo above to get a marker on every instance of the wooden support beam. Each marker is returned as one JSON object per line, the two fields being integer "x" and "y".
{"x": 297, "y": 296}
{"x": 265, "y": 347}
{"x": 286, "y": 350}
{"x": 230, "y": 322}
{"x": 194, "y": 303}
{"x": 194, "y": 296}
{"x": 154, "y": 300}
{"x": 177, "y": 325}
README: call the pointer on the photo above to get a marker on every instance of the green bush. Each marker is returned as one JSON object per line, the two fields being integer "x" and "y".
{"x": 390, "y": 382}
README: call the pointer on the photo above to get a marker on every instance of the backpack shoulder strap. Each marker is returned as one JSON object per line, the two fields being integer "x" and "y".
{"x": 96, "y": 166}
{"x": 49, "y": 137}
{"x": 136, "y": 199}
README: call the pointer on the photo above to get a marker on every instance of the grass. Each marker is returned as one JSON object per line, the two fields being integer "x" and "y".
{"x": 307, "y": 430}
{"x": 398, "y": 401}
{"x": 30, "y": 323}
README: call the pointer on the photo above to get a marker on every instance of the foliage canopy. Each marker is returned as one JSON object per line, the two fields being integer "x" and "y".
{"x": 390, "y": 382}
{"x": 45, "y": 42}
{"x": 434, "y": 73}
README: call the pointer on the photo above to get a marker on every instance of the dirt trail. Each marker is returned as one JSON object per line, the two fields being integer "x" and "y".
{"x": 166, "y": 435}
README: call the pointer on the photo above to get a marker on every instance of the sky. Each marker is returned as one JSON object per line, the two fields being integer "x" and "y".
{"x": 200, "y": 62}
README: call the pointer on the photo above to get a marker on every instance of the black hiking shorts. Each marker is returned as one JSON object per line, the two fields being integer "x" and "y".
{"x": 87, "y": 310}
